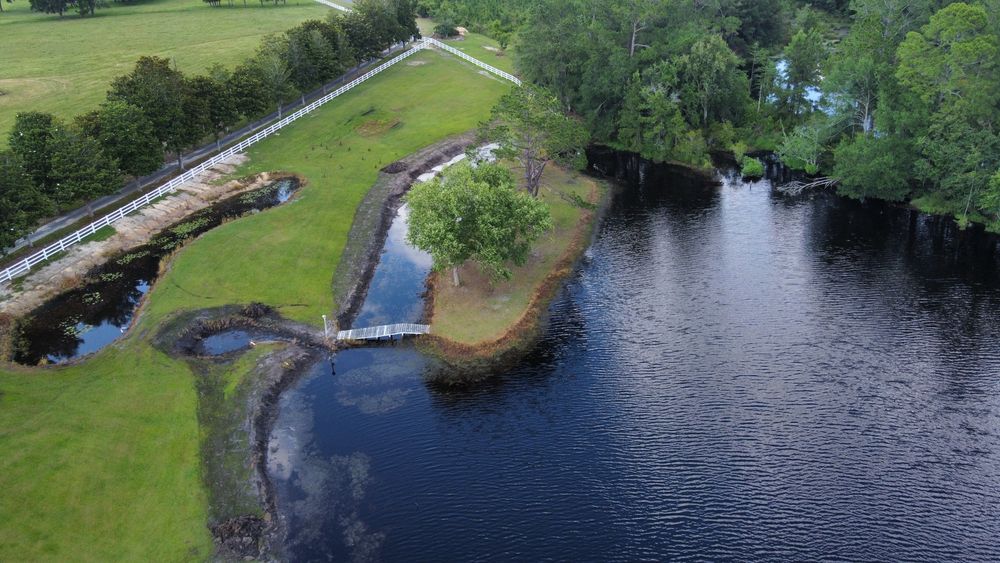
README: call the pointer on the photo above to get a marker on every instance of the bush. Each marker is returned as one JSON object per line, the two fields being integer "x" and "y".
{"x": 752, "y": 168}
{"x": 739, "y": 150}
{"x": 446, "y": 29}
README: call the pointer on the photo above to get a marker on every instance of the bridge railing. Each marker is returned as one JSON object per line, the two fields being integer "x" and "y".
{"x": 24, "y": 266}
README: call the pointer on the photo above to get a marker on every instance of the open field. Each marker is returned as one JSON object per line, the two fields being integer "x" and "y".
{"x": 100, "y": 460}
{"x": 474, "y": 45}
{"x": 479, "y": 311}
{"x": 65, "y": 65}
{"x": 340, "y": 152}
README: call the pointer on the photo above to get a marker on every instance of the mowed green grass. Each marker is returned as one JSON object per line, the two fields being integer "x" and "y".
{"x": 480, "y": 310}
{"x": 65, "y": 65}
{"x": 286, "y": 257}
{"x": 100, "y": 461}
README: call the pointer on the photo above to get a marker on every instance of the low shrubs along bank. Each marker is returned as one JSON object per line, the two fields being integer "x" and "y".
{"x": 54, "y": 165}
{"x": 101, "y": 459}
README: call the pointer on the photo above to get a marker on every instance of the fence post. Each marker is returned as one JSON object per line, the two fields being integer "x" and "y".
{"x": 172, "y": 185}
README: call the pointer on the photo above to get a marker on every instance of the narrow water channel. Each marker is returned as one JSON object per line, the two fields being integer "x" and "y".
{"x": 88, "y": 318}
{"x": 731, "y": 374}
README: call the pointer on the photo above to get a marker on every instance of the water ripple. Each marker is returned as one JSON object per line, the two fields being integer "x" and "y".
{"x": 731, "y": 375}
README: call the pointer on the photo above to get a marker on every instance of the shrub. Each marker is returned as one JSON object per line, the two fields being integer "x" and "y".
{"x": 752, "y": 168}
{"x": 446, "y": 29}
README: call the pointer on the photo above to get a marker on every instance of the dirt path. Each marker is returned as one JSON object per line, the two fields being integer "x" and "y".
{"x": 134, "y": 230}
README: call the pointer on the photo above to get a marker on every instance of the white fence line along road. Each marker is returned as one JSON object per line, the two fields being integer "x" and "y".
{"x": 154, "y": 179}
{"x": 24, "y": 266}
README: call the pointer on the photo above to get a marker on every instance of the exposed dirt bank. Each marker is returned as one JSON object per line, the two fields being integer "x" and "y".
{"x": 68, "y": 271}
{"x": 236, "y": 418}
{"x": 244, "y": 519}
{"x": 464, "y": 362}
{"x": 374, "y": 217}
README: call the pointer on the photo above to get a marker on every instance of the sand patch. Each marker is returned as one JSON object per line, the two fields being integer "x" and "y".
{"x": 374, "y": 127}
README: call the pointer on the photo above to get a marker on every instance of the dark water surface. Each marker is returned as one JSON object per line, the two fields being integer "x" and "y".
{"x": 85, "y": 319}
{"x": 730, "y": 375}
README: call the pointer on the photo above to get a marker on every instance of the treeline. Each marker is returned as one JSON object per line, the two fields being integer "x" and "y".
{"x": 156, "y": 110}
{"x": 674, "y": 79}
{"x": 895, "y": 99}
{"x": 60, "y": 7}
{"x": 497, "y": 18}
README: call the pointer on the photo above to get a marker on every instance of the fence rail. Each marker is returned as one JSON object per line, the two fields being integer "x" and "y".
{"x": 24, "y": 266}
{"x": 473, "y": 60}
{"x": 384, "y": 331}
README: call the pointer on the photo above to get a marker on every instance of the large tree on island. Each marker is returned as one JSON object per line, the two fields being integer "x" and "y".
{"x": 531, "y": 127}
{"x": 478, "y": 214}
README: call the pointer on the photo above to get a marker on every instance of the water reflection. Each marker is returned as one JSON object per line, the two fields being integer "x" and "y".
{"x": 88, "y": 318}
{"x": 732, "y": 374}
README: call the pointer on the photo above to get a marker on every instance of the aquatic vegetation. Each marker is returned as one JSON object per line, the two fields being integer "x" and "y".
{"x": 185, "y": 229}
{"x": 131, "y": 256}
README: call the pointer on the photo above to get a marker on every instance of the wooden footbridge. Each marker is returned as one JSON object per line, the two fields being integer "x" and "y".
{"x": 385, "y": 331}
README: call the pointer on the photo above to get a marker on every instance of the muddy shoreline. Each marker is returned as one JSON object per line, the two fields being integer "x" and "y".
{"x": 374, "y": 217}
{"x": 242, "y": 535}
{"x": 464, "y": 364}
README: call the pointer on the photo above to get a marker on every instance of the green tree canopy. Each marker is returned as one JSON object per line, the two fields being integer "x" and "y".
{"x": 478, "y": 214}
{"x": 80, "y": 170}
{"x": 21, "y": 203}
{"x": 529, "y": 125}
{"x": 126, "y": 135}
{"x": 159, "y": 91}
{"x": 711, "y": 76}
{"x": 868, "y": 166}
{"x": 31, "y": 140}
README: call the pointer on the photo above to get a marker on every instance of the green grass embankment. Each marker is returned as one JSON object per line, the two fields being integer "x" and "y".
{"x": 100, "y": 461}
{"x": 482, "y": 318}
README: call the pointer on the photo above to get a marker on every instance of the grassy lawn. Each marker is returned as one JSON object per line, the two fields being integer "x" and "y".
{"x": 474, "y": 45}
{"x": 65, "y": 65}
{"x": 100, "y": 461}
{"x": 479, "y": 311}
{"x": 285, "y": 257}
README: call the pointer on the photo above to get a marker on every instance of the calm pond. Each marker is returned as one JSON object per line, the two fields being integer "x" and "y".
{"x": 730, "y": 375}
{"x": 85, "y": 319}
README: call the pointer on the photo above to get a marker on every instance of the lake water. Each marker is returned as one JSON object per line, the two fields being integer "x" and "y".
{"x": 731, "y": 374}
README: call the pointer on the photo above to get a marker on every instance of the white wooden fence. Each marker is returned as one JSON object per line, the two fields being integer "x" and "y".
{"x": 62, "y": 244}
{"x": 477, "y": 62}
{"x": 24, "y": 266}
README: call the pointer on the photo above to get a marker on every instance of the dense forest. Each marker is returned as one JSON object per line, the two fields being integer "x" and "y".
{"x": 894, "y": 99}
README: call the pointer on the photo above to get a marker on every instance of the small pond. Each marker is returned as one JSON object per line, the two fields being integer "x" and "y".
{"x": 85, "y": 319}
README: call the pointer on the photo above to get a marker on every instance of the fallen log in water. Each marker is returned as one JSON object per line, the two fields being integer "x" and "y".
{"x": 796, "y": 187}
